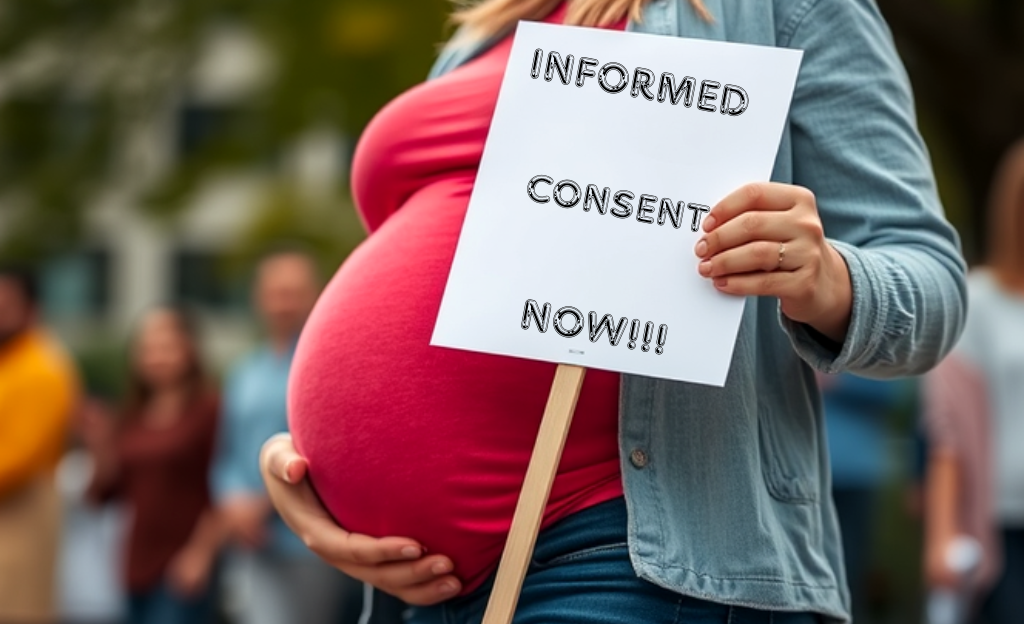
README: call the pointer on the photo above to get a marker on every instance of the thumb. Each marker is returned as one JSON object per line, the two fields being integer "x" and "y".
{"x": 279, "y": 458}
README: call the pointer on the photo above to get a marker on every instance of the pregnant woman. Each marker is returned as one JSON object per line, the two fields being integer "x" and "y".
{"x": 674, "y": 502}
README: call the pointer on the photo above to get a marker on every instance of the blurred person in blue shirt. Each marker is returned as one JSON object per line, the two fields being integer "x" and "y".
{"x": 275, "y": 577}
{"x": 856, "y": 410}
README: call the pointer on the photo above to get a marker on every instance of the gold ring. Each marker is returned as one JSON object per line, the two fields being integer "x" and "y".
{"x": 782, "y": 255}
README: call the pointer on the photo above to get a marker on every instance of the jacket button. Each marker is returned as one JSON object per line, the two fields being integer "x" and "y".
{"x": 638, "y": 458}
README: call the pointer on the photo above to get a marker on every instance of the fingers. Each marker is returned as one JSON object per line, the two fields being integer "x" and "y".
{"x": 301, "y": 509}
{"x": 430, "y": 593}
{"x": 762, "y": 284}
{"x": 398, "y": 577}
{"x": 424, "y": 582}
{"x": 252, "y": 536}
{"x": 427, "y": 581}
{"x": 759, "y": 256}
{"x": 279, "y": 458}
{"x": 771, "y": 196}
{"x": 394, "y": 564}
{"x": 751, "y": 226}
{"x": 341, "y": 547}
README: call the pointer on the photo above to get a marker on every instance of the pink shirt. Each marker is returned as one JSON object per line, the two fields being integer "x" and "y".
{"x": 426, "y": 442}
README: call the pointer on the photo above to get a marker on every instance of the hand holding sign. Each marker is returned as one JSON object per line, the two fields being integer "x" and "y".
{"x": 629, "y": 178}
{"x": 767, "y": 240}
{"x": 585, "y": 214}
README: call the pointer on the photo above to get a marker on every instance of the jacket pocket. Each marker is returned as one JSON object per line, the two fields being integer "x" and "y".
{"x": 789, "y": 453}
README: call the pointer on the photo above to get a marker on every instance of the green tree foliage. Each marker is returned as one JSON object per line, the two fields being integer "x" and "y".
{"x": 77, "y": 77}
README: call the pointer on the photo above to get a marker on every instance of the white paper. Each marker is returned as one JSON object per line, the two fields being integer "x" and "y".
{"x": 513, "y": 249}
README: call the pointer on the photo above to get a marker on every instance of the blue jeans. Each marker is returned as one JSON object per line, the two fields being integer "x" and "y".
{"x": 161, "y": 606}
{"x": 581, "y": 574}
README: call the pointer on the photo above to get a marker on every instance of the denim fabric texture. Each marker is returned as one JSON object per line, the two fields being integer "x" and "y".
{"x": 581, "y": 574}
{"x": 732, "y": 501}
{"x": 254, "y": 408}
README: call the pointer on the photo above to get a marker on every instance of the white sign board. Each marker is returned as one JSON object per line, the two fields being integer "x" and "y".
{"x": 605, "y": 151}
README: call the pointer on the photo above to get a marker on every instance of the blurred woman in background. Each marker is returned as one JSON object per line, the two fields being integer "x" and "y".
{"x": 975, "y": 422}
{"x": 157, "y": 460}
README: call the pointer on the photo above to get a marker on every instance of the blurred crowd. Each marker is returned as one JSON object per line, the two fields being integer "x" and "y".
{"x": 152, "y": 510}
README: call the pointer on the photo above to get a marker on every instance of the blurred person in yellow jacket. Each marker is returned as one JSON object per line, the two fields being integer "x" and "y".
{"x": 38, "y": 389}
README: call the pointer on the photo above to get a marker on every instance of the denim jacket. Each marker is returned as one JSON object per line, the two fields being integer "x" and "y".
{"x": 728, "y": 489}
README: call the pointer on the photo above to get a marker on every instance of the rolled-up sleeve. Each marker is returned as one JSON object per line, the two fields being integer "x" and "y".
{"x": 856, "y": 146}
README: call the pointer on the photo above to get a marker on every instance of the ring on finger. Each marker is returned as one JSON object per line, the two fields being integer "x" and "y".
{"x": 782, "y": 255}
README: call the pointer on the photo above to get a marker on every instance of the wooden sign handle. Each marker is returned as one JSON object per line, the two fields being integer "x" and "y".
{"x": 533, "y": 498}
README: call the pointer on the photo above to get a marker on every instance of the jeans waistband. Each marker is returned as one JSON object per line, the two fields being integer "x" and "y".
{"x": 604, "y": 524}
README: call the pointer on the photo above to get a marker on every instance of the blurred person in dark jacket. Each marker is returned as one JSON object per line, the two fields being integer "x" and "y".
{"x": 157, "y": 460}
{"x": 975, "y": 421}
{"x": 278, "y": 580}
{"x": 38, "y": 390}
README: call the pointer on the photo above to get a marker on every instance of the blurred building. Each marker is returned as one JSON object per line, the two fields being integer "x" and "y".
{"x": 131, "y": 260}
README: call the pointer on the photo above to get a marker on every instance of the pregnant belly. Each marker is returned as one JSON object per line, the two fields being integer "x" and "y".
{"x": 426, "y": 442}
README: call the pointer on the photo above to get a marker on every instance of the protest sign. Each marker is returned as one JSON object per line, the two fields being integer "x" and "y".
{"x": 605, "y": 152}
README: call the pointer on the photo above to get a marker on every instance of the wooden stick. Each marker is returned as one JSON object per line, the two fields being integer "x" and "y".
{"x": 533, "y": 498}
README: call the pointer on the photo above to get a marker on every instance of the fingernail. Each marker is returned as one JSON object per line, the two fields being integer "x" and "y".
{"x": 721, "y": 282}
{"x": 411, "y": 552}
{"x": 701, "y": 249}
{"x": 705, "y": 268}
{"x": 449, "y": 588}
{"x": 710, "y": 222}
{"x": 287, "y": 471}
{"x": 439, "y": 568}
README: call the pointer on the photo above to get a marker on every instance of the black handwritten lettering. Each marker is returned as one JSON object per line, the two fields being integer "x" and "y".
{"x": 600, "y": 200}
{"x": 614, "y": 78}
{"x": 699, "y": 210}
{"x": 666, "y": 209}
{"x": 623, "y": 208}
{"x": 532, "y": 310}
{"x": 644, "y": 210}
{"x": 642, "y": 80}
{"x": 705, "y": 101}
{"x": 531, "y": 188}
{"x": 584, "y": 71}
{"x": 568, "y": 322}
{"x": 602, "y": 77}
{"x": 564, "y": 69}
{"x": 684, "y": 92}
{"x": 559, "y": 322}
{"x": 741, "y": 103}
{"x": 538, "y": 58}
{"x": 569, "y": 194}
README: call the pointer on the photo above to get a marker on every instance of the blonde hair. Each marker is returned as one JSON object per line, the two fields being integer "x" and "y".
{"x": 1006, "y": 220}
{"x": 492, "y": 17}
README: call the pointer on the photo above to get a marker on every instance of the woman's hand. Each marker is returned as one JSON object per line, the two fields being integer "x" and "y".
{"x": 767, "y": 239}
{"x": 937, "y": 571}
{"x": 189, "y": 571}
{"x": 396, "y": 565}
{"x": 245, "y": 519}
{"x": 96, "y": 426}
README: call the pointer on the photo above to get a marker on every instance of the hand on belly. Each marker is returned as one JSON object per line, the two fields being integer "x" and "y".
{"x": 396, "y": 565}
